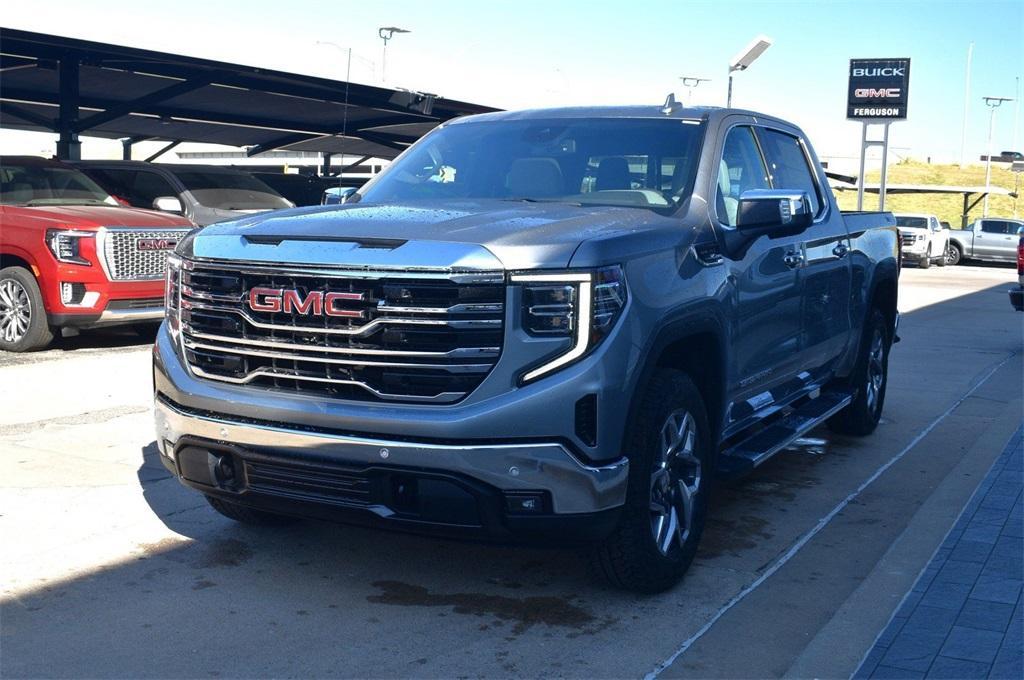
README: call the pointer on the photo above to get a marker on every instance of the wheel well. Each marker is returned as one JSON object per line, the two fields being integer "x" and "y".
{"x": 884, "y": 299}
{"x": 13, "y": 261}
{"x": 701, "y": 357}
{"x": 956, "y": 244}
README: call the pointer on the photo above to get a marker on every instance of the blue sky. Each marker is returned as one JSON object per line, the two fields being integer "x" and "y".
{"x": 533, "y": 53}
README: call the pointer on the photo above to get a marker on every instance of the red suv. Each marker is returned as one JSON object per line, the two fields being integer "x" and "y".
{"x": 72, "y": 257}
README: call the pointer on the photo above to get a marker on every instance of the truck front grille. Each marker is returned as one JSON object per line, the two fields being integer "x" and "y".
{"x": 392, "y": 337}
{"x": 908, "y": 239}
{"x": 137, "y": 254}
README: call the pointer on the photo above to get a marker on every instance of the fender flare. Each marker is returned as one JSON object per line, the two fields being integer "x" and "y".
{"x": 699, "y": 318}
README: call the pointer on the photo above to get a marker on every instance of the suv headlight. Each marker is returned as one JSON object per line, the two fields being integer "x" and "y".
{"x": 65, "y": 244}
{"x": 172, "y": 295}
{"x": 583, "y": 306}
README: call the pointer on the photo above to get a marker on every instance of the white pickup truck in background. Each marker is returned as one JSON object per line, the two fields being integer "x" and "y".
{"x": 924, "y": 239}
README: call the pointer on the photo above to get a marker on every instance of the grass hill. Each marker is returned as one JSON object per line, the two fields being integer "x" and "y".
{"x": 946, "y": 206}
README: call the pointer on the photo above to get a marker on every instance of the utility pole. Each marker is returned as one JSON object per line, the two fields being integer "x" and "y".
{"x": 992, "y": 103}
{"x": 967, "y": 105}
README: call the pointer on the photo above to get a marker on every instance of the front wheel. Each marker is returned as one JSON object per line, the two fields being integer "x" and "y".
{"x": 868, "y": 381}
{"x": 23, "y": 323}
{"x": 667, "y": 498}
{"x": 926, "y": 261}
{"x": 944, "y": 258}
{"x": 953, "y": 255}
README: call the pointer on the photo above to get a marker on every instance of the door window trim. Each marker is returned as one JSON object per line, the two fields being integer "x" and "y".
{"x": 825, "y": 209}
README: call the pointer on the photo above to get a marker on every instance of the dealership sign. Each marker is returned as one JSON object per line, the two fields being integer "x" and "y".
{"x": 878, "y": 89}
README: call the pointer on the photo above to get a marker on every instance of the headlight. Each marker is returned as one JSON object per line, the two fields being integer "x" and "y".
{"x": 920, "y": 237}
{"x": 583, "y": 306}
{"x": 65, "y": 244}
{"x": 172, "y": 295}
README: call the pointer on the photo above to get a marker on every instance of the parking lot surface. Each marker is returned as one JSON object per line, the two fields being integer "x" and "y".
{"x": 111, "y": 568}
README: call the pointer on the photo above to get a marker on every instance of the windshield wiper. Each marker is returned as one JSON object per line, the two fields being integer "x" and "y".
{"x": 525, "y": 199}
{"x": 64, "y": 201}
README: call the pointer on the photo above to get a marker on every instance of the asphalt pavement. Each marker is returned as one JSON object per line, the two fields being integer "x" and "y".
{"x": 110, "y": 568}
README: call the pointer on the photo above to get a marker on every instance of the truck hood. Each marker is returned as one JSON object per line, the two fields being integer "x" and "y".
{"x": 491, "y": 234}
{"x": 94, "y": 216}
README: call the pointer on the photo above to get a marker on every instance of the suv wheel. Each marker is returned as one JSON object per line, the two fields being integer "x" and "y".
{"x": 926, "y": 261}
{"x": 869, "y": 380}
{"x": 23, "y": 325}
{"x": 667, "y": 499}
{"x": 247, "y": 515}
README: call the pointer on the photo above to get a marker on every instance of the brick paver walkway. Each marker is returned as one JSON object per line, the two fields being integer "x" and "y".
{"x": 962, "y": 619}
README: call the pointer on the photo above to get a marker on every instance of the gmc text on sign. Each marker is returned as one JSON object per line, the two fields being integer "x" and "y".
{"x": 878, "y": 89}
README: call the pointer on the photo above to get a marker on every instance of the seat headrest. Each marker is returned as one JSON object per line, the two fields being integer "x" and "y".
{"x": 613, "y": 174}
{"x": 534, "y": 178}
{"x": 724, "y": 182}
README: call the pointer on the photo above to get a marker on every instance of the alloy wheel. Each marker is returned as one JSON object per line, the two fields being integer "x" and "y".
{"x": 675, "y": 481}
{"x": 15, "y": 311}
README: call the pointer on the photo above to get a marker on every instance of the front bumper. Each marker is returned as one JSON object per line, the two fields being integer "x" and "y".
{"x": 1017, "y": 298}
{"x": 460, "y": 490}
{"x": 118, "y": 312}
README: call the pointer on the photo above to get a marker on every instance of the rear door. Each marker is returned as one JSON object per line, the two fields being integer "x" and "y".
{"x": 825, "y": 303}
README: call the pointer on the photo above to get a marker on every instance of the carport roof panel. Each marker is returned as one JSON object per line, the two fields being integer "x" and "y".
{"x": 173, "y": 97}
{"x": 924, "y": 189}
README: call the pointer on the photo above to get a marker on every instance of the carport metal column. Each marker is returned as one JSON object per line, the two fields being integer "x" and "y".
{"x": 69, "y": 148}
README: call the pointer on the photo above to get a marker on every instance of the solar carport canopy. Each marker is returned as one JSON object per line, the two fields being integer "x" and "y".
{"x": 72, "y": 87}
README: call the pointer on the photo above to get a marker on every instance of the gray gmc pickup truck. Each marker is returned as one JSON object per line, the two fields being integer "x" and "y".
{"x": 554, "y": 325}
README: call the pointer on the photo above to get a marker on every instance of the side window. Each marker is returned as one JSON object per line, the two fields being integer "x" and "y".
{"x": 788, "y": 166}
{"x": 149, "y": 186}
{"x": 994, "y": 227}
{"x": 935, "y": 224}
{"x": 741, "y": 169}
{"x": 116, "y": 182}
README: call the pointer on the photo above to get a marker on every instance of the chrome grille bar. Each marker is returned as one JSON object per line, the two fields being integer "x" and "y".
{"x": 409, "y": 336}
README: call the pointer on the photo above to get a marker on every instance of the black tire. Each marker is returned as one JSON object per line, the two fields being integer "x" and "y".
{"x": 630, "y": 558}
{"x": 954, "y": 255}
{"x": 925, "y": 261}
{"x": 23, "y": 323}
{"x": 861, "y": 417}
{"x": 941, "y": 260}
{"x": 247, "y": 515}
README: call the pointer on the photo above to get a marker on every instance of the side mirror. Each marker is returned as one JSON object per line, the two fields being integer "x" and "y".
{"x": 773, "y": 212}
{"x": 336, "y": 195}
{"x": 767, "y": 212}
{"x": 169, "y": 204}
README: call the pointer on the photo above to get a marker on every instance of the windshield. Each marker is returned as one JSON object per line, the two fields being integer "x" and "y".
{"x": 230, "y": 190}
{"x": 49, "y": 185}
{"x": 912, "y": 222}
{"x": 631, "y": 162}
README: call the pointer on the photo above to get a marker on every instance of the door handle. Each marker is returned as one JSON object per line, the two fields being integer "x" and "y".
{"x": 840, "y": 250}
{"x": 793, "y": 259}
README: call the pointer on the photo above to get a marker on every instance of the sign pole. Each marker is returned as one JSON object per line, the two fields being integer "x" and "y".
{"x": 885, "y": 165}
{"x": 863, "y": 154}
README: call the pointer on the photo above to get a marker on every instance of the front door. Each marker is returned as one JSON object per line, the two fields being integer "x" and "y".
{"x": 766, "y": 330}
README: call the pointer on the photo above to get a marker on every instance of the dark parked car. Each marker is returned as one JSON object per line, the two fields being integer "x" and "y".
{"x": 203, "y": 193}
{"x": 305, "y": 190}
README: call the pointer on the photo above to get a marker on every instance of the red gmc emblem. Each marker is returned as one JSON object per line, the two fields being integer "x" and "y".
{"x": 156, "y": 244}
{"x": 315, "y": 303}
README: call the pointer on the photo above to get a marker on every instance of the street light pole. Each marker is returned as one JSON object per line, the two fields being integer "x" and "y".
{"x": 743, "y": 60}
{"x": 690, "y": 83}
{"x": 386, "y": 33}
{"x": 992, "y": 103}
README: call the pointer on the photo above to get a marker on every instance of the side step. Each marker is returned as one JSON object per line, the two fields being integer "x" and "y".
{"x": 759, "y": 447}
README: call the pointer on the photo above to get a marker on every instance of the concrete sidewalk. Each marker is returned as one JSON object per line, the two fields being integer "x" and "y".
{"x": 962, "y": 619}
